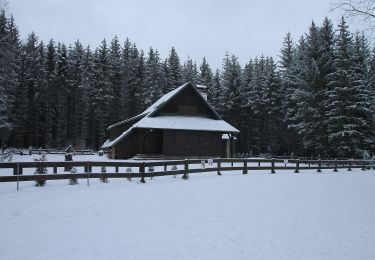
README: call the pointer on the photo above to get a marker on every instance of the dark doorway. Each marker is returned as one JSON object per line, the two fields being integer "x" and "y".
{"x": 152, "y": 141}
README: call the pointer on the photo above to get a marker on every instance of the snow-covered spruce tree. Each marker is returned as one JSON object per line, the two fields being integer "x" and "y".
{"x": 257, "y": 96}
{"x": 88, "y": 95}
{"x": 115, "y": 80}
{"x": 103, "y": 93}
{"x": 134, "y": 94}
{"x": 41, "y": 100}
{"x": 349, "y": 114}
{"x": 294, "y": 86}
{"x": 9, "y": 70}
{"x": 216, "y": 90}
{"x": 74, "y": 92}
{"x": 27, "y": 107}
{"x": 312, "y": 96}
{"x": 371, "y": 81}
{"x": 205, "y": 76}
{"x": 231, "y": 89}
{"x": 51, "y": 114}
{"x": 174, "y": 75}
{"x": 190, "y": 71}
{"x": 61, "y": 83}
{"x": 125, "y": 71}
{"x": 247, "y": 114}
{"x": 155, "y": 79}
{"x": 274, "y": 97}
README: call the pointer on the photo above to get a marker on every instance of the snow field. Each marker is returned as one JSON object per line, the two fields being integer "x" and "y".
{"x": 256, "y": 216}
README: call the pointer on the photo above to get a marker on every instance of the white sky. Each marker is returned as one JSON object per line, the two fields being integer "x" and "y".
{"x": 194, "y": 27}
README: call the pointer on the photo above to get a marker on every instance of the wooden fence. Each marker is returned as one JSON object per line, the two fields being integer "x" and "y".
{"x": 176, "y": 167}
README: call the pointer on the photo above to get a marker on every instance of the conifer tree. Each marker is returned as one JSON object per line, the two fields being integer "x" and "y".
{"x": 115, "y": 81}
{"x": 231, "y": 89}
{"x": 349, "y": 120}
{"x": 155, "y": 79}
{"x": 61, "y": 83}
{"x": 9, "y": 70}
{"x": 190, "y": 72}
{"x": 174, "y": 70}
{"x": 52, "y": 109}
{"x": 75, "y": 112}
{"x": 205, "y": 78}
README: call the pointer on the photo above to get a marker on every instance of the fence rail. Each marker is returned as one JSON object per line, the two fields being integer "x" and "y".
{"x": 146, "y": 169}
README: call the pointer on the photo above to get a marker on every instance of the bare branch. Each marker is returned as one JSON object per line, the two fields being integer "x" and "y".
{"x": 363, "y": 10}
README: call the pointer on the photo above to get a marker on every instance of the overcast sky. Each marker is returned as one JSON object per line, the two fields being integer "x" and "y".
{"x": 196, "y": 28}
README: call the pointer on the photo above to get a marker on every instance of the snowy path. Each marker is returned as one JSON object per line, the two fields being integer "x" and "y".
{"x": 234, "y": 216}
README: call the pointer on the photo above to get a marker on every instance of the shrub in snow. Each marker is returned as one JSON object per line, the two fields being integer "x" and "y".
{"x": 174, "y": 168}
{"x": 41, "y": 171}
{"x": 151, "y": 169}
{"x": 129, "y": 170}
{"x": 68, "y": 158}
{"x": 73, "y": 180}
{"x": 103, "y": 178}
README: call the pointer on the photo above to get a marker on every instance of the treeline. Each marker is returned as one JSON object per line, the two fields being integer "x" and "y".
{"x": 318, "y": 100}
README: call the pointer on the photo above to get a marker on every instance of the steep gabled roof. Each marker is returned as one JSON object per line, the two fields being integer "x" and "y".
{"x": 145, "y": 119}
{"x": 158, "y": 105}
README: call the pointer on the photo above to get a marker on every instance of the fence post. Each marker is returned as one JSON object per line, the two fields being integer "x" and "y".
{"x": 259, "y": 164}
{"x": 244, "y": 167}
{"x": 87, "y": 170}
{"x": 273, "y": 166}
{"x": 186, "y": 169}
{"x": 335, "y": 167}
{"x": 54, "y": 169}
{"x": 142, "y": 170}
{"x": 350, "y": 166}
{"x": 165, "y": 167}
{"x": 20, "y": 169}
{"x": 18, "y": 177}
{"x": 116, "y": 169}
{"x": 15, "y": 170}
{"x": 218, "y": 168}
{"x": 319, "y": 165}
{"x": 297, "y": 166}
{"x": 363, "y": 165}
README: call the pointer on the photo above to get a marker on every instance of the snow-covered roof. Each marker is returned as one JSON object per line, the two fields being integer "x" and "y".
{"x": 172, "y": 122}
{"x": 163, "y": 99}
{"x": 153, "y": 107}
{"x": 110, "y": 143}
{"x": 185, "y": 123}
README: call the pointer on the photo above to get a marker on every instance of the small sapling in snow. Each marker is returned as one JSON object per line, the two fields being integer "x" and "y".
{"x": 40, "y": 170}
{"x": 73, "y": 180}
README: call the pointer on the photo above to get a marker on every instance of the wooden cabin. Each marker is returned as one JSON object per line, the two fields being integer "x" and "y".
{"x": 181, "y": 124}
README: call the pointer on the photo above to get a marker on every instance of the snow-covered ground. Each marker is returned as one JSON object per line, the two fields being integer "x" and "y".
{"x": 256, "y": 216}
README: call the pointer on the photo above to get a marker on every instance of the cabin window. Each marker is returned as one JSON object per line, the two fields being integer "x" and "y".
{"x": 187, "y": 110}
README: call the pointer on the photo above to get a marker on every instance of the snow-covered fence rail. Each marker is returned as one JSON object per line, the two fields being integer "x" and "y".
{"x": 55, "y": 151}
{"x": 89, "y": 169}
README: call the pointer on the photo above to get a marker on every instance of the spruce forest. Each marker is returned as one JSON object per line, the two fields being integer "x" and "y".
{"x": 317, "y": 99}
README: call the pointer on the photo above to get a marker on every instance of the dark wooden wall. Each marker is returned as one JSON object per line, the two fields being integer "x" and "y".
{"x": 192, "y": 143}
{"x": 128, "y": 146}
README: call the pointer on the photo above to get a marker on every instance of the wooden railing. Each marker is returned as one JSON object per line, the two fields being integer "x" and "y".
{"x": 182, "y": 167}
